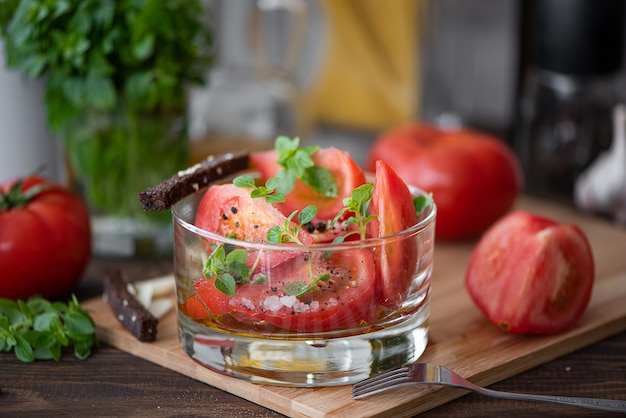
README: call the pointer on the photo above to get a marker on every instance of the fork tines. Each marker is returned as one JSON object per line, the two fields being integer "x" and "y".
{"x": 380, "y": 382}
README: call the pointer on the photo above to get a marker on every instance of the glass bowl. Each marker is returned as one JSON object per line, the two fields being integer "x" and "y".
{"x": 309, "y": 315}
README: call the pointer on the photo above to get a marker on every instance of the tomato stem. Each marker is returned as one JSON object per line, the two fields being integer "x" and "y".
{"x": 17, "y": 198}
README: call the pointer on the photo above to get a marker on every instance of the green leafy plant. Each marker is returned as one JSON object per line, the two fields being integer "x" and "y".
{"x": 116, "y": 74}
{"x": 95, "y": 54}
{"x": 39, "y": 329}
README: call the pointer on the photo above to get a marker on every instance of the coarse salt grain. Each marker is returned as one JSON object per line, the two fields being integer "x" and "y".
{"x": 272, "y": 303}
{"x": 301, "y": 307}
{"x": 247, "y": 303}
{"x": 288, "y": 301}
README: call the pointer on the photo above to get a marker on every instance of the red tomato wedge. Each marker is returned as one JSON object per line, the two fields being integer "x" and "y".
{"x": 346, "y": 300}
{"x": 227, "y": 209}
{"x": 206, "y": 301}
{"x": 392, "y": 203}
{"x": 530, "y": 274}
{"x": 346, "y": 172}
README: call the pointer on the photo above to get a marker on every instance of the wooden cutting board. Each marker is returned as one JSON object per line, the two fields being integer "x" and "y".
{"x": 460, "y": 337}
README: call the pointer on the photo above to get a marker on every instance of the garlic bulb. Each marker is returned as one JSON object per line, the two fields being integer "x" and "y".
{"x": 601, "y": 188}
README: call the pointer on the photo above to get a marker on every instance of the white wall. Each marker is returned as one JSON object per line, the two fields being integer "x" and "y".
{"x": 25, "y": 143}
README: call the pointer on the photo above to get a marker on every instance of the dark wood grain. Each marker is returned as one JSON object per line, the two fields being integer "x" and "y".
{"x": 114, "y": 383}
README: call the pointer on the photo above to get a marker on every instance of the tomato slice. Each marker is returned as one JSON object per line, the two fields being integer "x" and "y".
{"x": 227, "y": 209}
{"x": 346, "y": 300}
{"x": 206, "y": 301}
{"x": 392, "y": 203}
{"x": 346, "y": 172}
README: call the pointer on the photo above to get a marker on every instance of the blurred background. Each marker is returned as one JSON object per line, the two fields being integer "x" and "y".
{"x": 340, "y": 72}
{"x": 544, "y": 76}
{"x": 330, "y": 70}
{"x": 353, "y": 68}
{"x": 414, "y": 58}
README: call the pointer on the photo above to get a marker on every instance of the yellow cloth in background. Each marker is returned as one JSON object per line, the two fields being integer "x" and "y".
{"x": 369, "y": 79}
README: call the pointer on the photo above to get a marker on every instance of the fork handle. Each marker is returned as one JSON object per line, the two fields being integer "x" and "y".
{"x": 591, "y": 403}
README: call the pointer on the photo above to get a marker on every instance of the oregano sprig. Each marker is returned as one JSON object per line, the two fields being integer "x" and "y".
{"x": 38, "y": 329}
{"x": 227, "y": 265}
{"x": 288, "y": 233}
{"x": 358, "y": 203}
{"x": 302, "y": 288}
{"x": 298, "y": 164}
{"x": 279, "y": 234}
{"x": 268, "y": 191}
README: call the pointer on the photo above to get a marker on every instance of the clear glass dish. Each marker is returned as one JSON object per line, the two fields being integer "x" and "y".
{"x": 344, "y": 330}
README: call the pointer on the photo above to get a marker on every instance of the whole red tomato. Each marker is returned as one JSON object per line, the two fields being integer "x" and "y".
{"x": 45, "y": 238}
{"x": 530, "y": 274}
{"x": 474, "y": 177}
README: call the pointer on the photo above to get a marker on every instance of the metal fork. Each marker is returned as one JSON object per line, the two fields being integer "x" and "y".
{"x": 426, "y": 373}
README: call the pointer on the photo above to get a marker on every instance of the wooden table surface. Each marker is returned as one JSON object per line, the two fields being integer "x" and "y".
{"x": 114, "y": 383}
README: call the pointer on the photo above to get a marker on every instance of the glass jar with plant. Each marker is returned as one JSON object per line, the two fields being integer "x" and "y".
{"x": 116, "y": 74}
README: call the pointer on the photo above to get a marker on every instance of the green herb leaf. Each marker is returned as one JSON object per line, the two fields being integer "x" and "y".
{"x": 321, "y": 180}
{"x": 286, "y": 181}
{"x": 422, "y": 202}
{"x": 260, "y": 279}
{"x": 268, "y": 191}
{"x": 244, "y": 181}
{"x": 38, "y": 329}
{"x": 307, "y": 214}
{"x": 301, "y": 288}
{"x": 298, "y": 164}
{"x": 226, "y": 284}
{"x": 78, "y": 325}
{"x": 275, "y": 198}
{"x": 358, "y": 204}
{"x": 228, "y": 265}
{"x": 279, "y": 234}
{"x": 275, "y": 234}
{"x": 23, "y": 350}
{"x": 296, "y": 289}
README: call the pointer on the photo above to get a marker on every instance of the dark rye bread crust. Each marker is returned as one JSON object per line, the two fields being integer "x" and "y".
{"x": 135, "y": 317}
{"x": 162, "y": 196}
